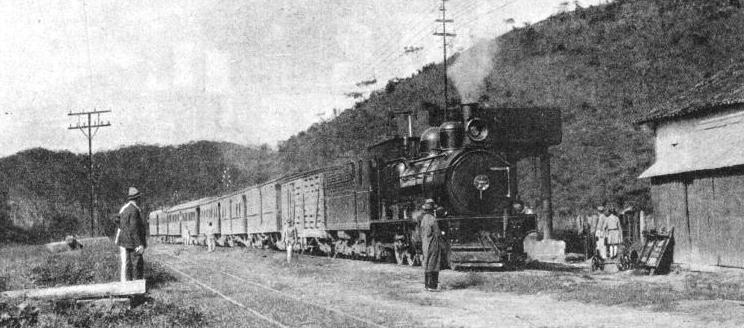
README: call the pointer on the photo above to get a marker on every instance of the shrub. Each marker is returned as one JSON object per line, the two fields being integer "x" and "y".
{"x": 61, "y": 271}
{"x": 147, "y": 314}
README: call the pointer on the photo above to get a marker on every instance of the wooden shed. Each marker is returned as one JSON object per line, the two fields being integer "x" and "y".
{"x": 698, "y": 177}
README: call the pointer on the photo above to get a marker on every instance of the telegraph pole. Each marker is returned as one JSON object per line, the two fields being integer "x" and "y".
{"x": 90, "y": 134}
{"x": 444, "y": 36}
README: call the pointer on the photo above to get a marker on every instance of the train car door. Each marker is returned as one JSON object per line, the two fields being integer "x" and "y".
{"x": 363, "y": 196}
{"x": 287, "y": 204}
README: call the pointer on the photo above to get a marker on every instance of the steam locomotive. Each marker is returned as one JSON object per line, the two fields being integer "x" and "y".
{"x": 367, "y": 208}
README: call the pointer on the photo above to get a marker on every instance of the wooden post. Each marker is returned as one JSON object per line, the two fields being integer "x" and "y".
{"x": 546, "y": 194}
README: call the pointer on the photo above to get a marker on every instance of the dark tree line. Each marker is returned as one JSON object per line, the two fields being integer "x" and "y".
{"x": 48, "y": 192}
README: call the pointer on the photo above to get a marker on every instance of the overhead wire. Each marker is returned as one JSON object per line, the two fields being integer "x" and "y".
{"x": 418, "y": 36}
{"x": 467, "y": 22}
{"x": 391, "y": 47}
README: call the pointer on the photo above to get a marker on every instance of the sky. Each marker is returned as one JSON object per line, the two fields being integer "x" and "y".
{"x": 249, "y": 71}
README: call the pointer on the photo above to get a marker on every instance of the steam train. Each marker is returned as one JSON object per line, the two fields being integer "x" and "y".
{"x": 367, "y": 208}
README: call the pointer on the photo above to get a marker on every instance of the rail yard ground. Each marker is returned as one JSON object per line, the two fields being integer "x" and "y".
{"x": 257, "y": 288}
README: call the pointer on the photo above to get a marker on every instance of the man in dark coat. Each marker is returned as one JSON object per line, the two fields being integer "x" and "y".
{"x": 131, "y": 238}
{"x": 431, "y": 245}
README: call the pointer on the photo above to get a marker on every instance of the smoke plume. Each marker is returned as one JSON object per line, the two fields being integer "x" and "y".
{"x": 471, "y": 68}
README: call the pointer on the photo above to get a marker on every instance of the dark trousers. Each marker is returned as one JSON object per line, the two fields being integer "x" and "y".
{"x": 431, "y": 279}
{"x": 132, "y": 265}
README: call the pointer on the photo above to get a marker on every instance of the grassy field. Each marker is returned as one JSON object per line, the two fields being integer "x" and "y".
{"x": 387, "y": 294}
{"x": 658, "y": 293}
{"x": 32, "y": 266}
{"x": 394, "y": 295}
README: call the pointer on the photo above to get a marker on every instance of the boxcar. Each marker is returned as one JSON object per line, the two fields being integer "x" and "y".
{"x": 303, "y": 204}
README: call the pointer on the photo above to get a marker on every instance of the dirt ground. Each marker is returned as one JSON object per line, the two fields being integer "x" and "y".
{"x": 393, "y": 296}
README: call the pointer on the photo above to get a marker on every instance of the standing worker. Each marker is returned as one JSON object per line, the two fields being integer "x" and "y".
{"x": 185, "y": 236}
{"x": 613, "y": 230}
{"x": 431, "y": 245}
{"x": 290, "y": 238}
{"x": 600, "y": 231}
{"x": 131, "y": 239}
{"x": 211, "y": 237}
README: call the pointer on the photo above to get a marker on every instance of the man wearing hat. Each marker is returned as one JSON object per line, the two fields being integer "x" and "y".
{"x": 130, "y": 237}
{"x": 290, "y": 238}
{"x": 431, "y": 246}
{"x": 599, "y": 231}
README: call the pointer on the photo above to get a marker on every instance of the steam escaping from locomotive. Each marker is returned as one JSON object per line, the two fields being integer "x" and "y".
{"x": 471, "y": 68}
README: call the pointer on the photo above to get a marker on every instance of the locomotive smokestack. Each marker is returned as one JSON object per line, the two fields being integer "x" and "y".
{"x": 467, "y": 111}
{"x": 475, "y": 127}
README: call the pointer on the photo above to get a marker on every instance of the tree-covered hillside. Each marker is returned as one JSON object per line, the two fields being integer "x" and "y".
{"x": 602, "y": 66}
{"x": 48, "y": 192}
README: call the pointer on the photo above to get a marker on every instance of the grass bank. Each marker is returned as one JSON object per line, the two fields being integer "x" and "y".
{"x": 31, "y": 266}
{"x": 654, "y": 293}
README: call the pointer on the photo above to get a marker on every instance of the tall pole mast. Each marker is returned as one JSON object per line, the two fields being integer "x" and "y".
{"x": 88, "y": 132}
{"x": 444, "y": 36}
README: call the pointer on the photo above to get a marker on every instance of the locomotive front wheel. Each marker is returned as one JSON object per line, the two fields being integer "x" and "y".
{"x": 409, "y": 258}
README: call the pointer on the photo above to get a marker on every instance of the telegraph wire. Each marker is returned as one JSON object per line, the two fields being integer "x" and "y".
{"x": 87, "y": 128}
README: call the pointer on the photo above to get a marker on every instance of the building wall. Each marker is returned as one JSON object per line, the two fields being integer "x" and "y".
{"x": 700, "y": 143}
{"x": 706, "y": 210}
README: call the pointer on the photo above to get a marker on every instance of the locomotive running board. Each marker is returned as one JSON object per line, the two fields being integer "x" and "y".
{"x": 470, "y": 265}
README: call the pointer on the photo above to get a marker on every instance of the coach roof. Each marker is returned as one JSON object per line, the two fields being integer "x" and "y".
{"x": 191, "y": 204}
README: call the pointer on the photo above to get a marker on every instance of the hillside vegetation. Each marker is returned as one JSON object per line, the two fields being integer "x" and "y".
{"x": 602, "y": 66}
{"x": 47, "y": 193}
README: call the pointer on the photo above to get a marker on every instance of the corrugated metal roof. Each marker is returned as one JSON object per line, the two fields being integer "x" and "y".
{"x": 723, "y": 153}
{"x": 723, "y": 89}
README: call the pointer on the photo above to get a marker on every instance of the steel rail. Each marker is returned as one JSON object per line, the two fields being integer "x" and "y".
{"x": 227, "y": 298}
{"x": 295, "y": 298}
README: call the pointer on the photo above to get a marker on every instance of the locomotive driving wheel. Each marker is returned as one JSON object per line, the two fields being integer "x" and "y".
{"x": 403, "y": 256}
{"x": 411, "y": 259}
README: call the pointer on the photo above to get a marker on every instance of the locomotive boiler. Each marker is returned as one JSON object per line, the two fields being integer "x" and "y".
{"x": 471, "y": 181}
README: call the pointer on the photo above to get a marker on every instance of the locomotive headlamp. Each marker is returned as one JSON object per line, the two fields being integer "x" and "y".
{"x": 481, "y": 182}
{"x": 477, "y": 129}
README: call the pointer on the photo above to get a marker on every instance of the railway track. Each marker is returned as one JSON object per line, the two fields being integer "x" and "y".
{"x": 275, "y": 307}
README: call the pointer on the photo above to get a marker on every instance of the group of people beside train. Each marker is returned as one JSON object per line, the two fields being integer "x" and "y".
{"x": 210, "y": 233}
{"x": 604, "y": 231}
